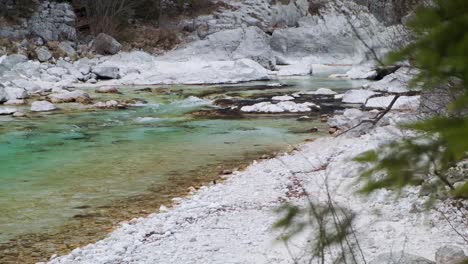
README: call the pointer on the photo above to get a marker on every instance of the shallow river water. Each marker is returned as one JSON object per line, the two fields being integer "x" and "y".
{"x": 73, "y": 169}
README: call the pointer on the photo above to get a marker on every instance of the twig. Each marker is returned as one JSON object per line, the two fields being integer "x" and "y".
{"x": 450, "y": 224}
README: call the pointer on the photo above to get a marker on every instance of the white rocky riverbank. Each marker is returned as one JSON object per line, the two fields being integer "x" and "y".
{"x": 231, "y": 222}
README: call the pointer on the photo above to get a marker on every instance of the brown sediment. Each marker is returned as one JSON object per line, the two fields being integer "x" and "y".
{"x": 91, "y": 224}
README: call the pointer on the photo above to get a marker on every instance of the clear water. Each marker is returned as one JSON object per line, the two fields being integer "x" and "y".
{"x": 53, "y": 163}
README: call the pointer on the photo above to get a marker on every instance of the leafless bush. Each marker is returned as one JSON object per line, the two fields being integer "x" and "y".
{"x": 107, "y": 16}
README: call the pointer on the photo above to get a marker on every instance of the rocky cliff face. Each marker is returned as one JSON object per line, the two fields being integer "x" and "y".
{"x": 325, "y": 32}
{"x": 50, "y": 21}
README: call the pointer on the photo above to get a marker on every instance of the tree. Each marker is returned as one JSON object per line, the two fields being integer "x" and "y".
{"x": 440, "y": 52}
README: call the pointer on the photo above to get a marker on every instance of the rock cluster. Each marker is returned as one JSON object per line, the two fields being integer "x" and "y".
{"x": 51, "y": 21}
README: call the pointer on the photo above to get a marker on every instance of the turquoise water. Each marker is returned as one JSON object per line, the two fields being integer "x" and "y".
{"x": 53, "y": 163}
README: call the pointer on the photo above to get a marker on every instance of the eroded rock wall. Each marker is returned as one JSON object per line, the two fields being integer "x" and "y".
{"x": 51, "y": 21}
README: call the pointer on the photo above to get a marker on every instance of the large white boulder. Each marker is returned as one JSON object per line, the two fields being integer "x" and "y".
{"x": 348, "y": 119}
{"x": 198, "y": 72}
{"x": 357, "y": 96}
{"x": 42, "y": 106}
{"x": 330, "y": 39}
{"x": 358, "y": 72}
{"x": 232, "y": 44}
{"x": 57, "y": 71}
{"x": 397, "y": 82}
{"x": 285, "y": 106}
{"x": 300, "y": 68}
{"x": 13, "y": 93}
{"x": 402, "y": 103}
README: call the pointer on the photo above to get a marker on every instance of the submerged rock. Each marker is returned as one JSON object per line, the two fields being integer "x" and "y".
{"x": 42, "y": 106}
{"x": 397, "y": 82}
{"x": 107, "y": 89}
{"x": 19, "y": 114}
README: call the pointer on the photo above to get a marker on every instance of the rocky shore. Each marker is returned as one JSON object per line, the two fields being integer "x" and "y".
{"x": 232, "y": 222}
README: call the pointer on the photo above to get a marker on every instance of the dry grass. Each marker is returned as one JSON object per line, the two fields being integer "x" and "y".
{"x": 152, "y": 39}
{"x": 55, "y": 50}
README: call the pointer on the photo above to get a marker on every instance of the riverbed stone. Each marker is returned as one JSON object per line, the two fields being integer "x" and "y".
{"x": 67, "y": 97}
{"x": 15, "y": 102}
{"x": 42, "y": 106}
{"x": 107, "y": 89}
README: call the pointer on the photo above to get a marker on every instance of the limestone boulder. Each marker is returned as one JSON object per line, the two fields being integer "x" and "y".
{"x": 106, "y": 45}
{"x": 42, "y": 106}
{"x": 43, "y": 54}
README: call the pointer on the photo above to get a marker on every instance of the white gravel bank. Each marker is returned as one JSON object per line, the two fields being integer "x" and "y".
{"x": 231, "y": 222}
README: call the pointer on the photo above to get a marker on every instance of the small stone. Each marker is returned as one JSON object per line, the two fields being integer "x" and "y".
{"x": 304, "y": 118}
{"x": 112, "y": 103}
{"x": 15, "y": 102}
{"x": 314, "y": 130}
{"x": 163, "y": 209}
{"x": 332, "y": 130}
{"x": 226, "y": 172}
{"x": 19, "y": 114}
